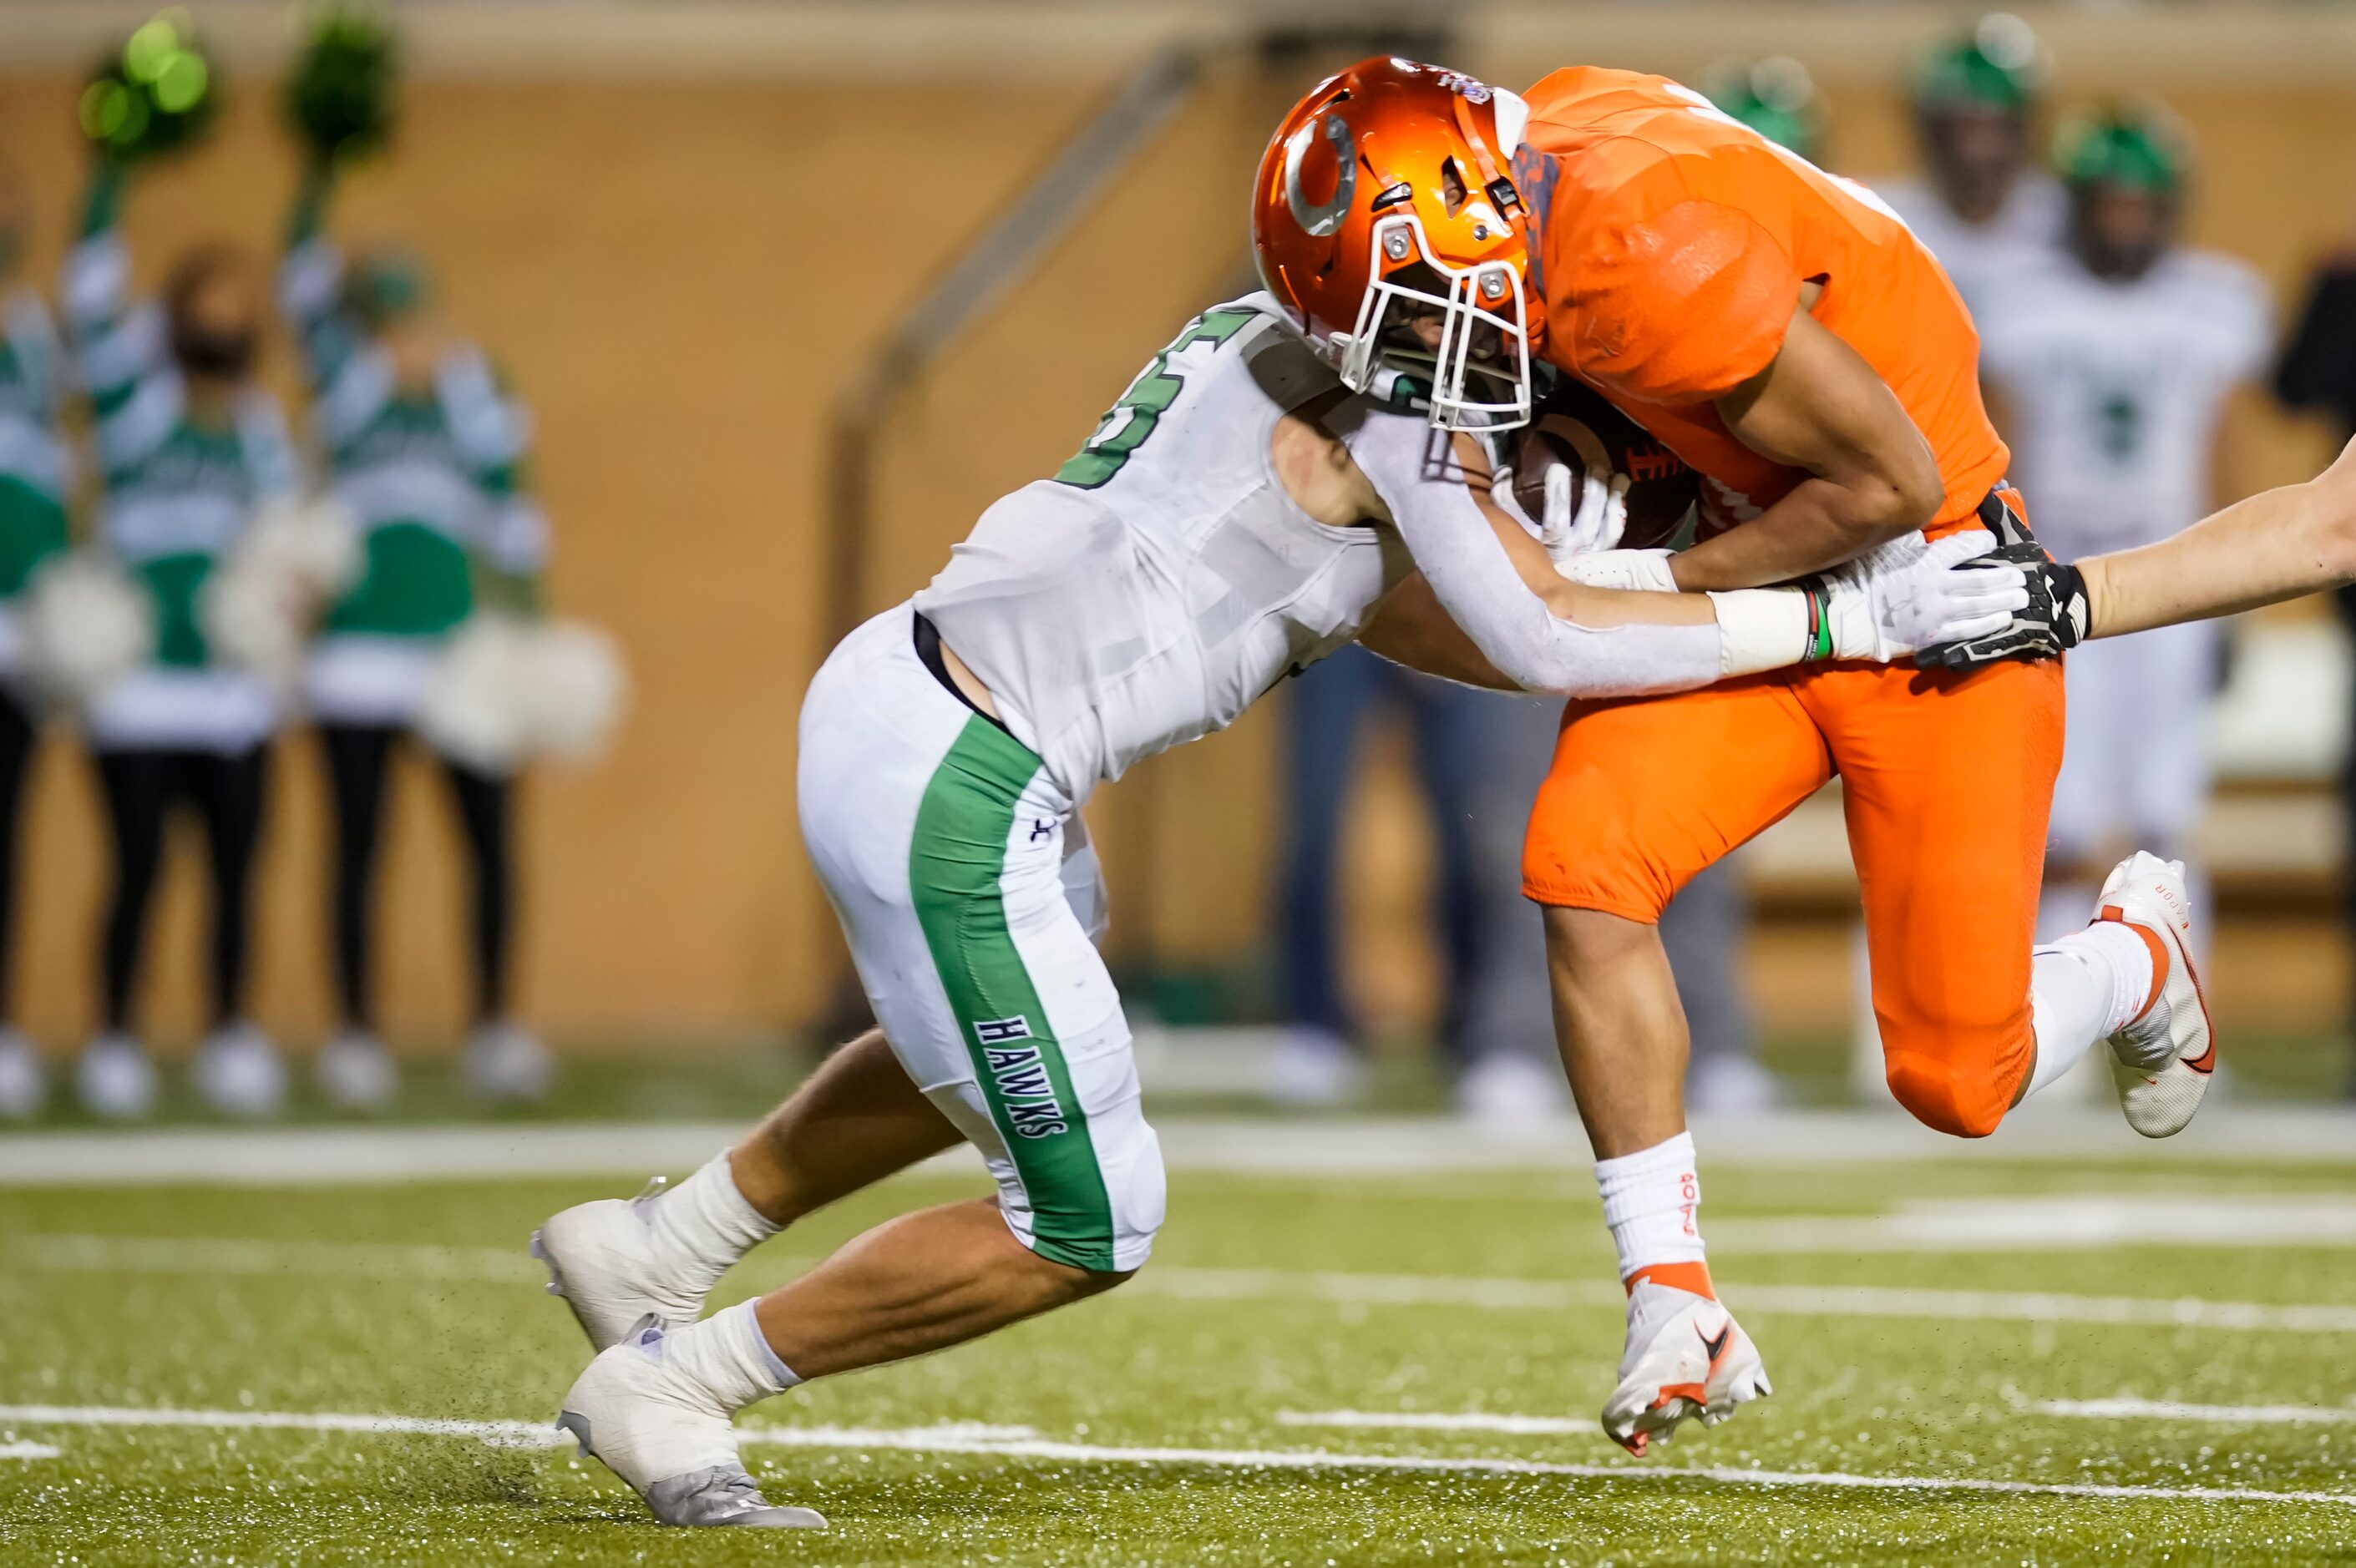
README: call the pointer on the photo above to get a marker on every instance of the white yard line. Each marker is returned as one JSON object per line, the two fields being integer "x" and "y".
{"x": 175, "y": 1254}
{"x": 1556, "y": 1425}
{"x": 2059, "y": 1223}
{"x": 1378, "y": 1147}
{"x": 991, "y": 1443}
{"x": 1439, "y": 1421}
{"x": 28, "y": 1451}
{"x": 161, "y": 1255}
{"x": 2176, "y": 1409}
{"x": 1797, "y": 1300}
{"x": 498, "y": 1434}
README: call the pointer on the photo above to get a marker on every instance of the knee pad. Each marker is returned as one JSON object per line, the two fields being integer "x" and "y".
{"x": 1961, "y": 1099}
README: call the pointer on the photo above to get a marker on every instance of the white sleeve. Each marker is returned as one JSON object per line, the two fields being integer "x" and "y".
{"x": 1459, "y": 553}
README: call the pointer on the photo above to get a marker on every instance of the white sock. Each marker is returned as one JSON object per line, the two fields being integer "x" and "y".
{"x": 2084, "y": 987}
{"x": 707, "y": 1222}
{"x": 1651, "y": 1200}
{"x": 728, "y": 1355}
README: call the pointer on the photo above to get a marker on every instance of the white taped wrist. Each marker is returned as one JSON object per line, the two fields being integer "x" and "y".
{"x": 1760, "y": 628}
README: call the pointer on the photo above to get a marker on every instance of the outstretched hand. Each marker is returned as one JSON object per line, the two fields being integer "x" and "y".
{"x": 1911, "y": 594}
{"x": 2052, "y": 616}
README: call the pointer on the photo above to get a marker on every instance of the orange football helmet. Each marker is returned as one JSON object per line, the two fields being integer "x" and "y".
{"x": 1385, "y": 222}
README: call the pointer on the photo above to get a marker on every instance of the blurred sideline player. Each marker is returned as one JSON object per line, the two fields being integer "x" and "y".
{"x": 1789, "y": 337}
{"x": 1477, "y": 757}
{"x": 1982, "y": 206}
{"x": 2109, "y": 365}
{"x": 188, "y": 444}
{"x": 35, "y": 476}
{"x": 430, "y": 454}
{"x": 1237, "y": 515}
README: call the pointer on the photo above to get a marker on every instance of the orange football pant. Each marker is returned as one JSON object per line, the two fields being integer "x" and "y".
{"x": 1947, "y": 779}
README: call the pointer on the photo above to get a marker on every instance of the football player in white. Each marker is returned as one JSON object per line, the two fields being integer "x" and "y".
{"x": 1237, "y": 515}
{"x": 1982, "y": 206}
{"x": 2109, "y": 366}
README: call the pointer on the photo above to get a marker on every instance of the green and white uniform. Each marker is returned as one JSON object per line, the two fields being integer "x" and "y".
{"x": 1146, "y": 596}
{"x": 436, "y": 480}
{"x": 36, "y": 473}
{"x": 175, "y": 495}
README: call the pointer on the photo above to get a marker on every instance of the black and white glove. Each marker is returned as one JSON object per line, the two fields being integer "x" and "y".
{"x": 2055, "y": 620}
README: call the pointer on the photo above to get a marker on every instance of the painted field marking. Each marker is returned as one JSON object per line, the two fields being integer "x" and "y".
{"x": 1379, "y": 1147}
{"x": 2176, "y": 1409}
{"x": 1556, "y": 1425}
{"x": 1796, "y": 1300}
{"x": 134, "y": 1254}
{"x": 495, "y": 1434}
{"x": 176, "y": 1254}
{"x": 982, "y": 1442}
{"x": 2063, "y": 1222}
{"x": 28, "y": 1451}
{"x": 1440, "y": 1421}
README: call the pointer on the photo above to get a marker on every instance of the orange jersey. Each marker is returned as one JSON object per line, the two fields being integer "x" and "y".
{"x": 1671, "y": 242}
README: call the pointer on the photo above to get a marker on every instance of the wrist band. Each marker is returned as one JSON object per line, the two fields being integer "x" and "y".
{"x": 1820, "y": 628}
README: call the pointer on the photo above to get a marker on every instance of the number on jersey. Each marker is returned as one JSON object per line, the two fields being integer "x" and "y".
{"x": 1129, "y": 422}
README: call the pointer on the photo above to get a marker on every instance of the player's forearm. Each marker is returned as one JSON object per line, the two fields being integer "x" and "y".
{"x": 2280, "y": 544}
{"x": 1820, "y": 524}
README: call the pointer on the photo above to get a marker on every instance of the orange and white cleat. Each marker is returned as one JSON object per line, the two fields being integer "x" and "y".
{"x": 1687, "y": 1360}
{"x": 2164, "y": 1058}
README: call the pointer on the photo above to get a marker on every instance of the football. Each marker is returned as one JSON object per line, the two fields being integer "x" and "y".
{"x": 1575, "y": 424}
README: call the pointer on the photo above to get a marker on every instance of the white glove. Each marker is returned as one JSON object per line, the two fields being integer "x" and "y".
{"x": 1578, "y": 518}
{"x": 1636, "y": 571}
{"x": 1909, "y": 594}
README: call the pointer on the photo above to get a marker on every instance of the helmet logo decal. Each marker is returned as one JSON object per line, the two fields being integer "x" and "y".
{"x": 1321, "y": 219}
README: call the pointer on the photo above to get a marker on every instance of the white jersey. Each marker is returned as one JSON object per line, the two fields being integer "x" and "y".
{"x": 2114, "y": 391}
{"x": 1979, "y": 256}
{"x": 1163, "y": 580}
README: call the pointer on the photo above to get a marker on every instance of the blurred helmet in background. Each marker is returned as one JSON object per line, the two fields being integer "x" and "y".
{"x": 1975, "y": 97}
{"x": 1775, "y": 97}
{"x": 2125, "y": 166}
{"x": 1385, "y": 222}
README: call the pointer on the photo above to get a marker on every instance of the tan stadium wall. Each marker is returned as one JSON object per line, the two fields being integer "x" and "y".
{"x": 678, "y": 264}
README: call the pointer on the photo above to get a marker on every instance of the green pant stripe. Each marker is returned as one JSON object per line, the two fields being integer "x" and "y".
{"x": 955, "y": 861}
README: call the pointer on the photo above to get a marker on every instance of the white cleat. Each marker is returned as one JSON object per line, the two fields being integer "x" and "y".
{"x": 611, "y": 1267}
{"x": 508, "y": 1066}
{"x": 2163, "y": 1060}
{"x": 664, "y": 1434}
{"x": 239, "y": 1074}
{"x": 24, "y": 1081}
{"x": 355, "y": 1072}
{"x": 1686, "y": 1359}
{"x": 116, "y": 1079}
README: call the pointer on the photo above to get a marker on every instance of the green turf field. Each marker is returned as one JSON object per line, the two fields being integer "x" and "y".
{"x": 1272, "y": 1301}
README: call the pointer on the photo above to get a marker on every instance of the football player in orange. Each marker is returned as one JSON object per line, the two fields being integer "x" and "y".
{"x": 1783, "y": 332}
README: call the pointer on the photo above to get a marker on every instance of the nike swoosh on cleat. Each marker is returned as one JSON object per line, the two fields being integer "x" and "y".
{"x": 2208, "y": 1062}
{"x": 1717, "y": 1347}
